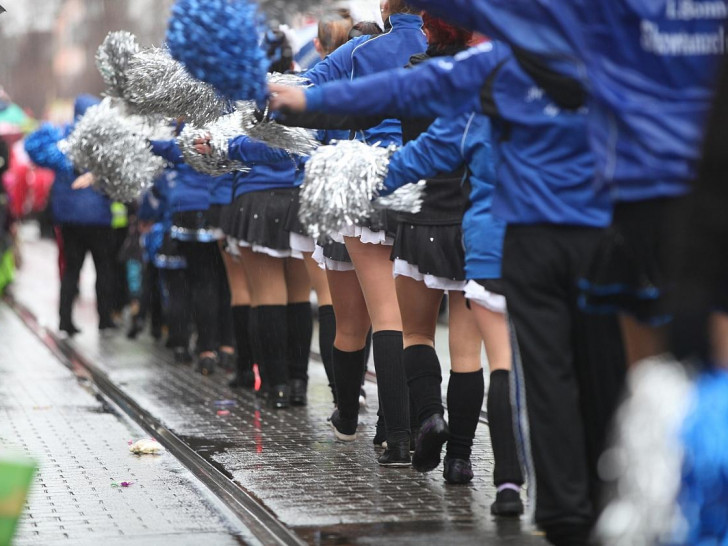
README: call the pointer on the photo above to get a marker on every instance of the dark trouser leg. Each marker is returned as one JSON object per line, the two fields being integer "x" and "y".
{"x": 300, "y": 330}
{"x": 327, "y": 334}
{"x": 464, "y": 401}
{"x": 424, "y": 379}
{"x": 392, "y": 383}
{"x": 500, "y": 421}
{"x": 178, "y": 307}
{"x": 101, "y": 241}
{"x": 74, "y": 250}
{"x": 204, "y": 288}
{"x": 538, "y": 275}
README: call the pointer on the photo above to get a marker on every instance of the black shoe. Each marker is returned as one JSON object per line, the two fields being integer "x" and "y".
{"x": 182, "y": 355}
{"x": 507, "y": 504}
{"x": 279, "y": 397}
{"x": 70, "y": 329}
{"x": 137, "y": 325}
{"x": 428, "y": 446}
{"x": 380, "y": 435}
{"x": 344, "y": 429}
{"x": 206, "y": 365}
{"x": 299, "y": 388}
{"x": 227, "y": 361}
{"x": 457, "y": 471}
{"x": 396, "y": 455}
{"x": 244, "y": 379}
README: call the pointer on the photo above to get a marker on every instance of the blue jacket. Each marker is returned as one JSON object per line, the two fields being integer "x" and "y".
{"x": 270, "y": 168}
{"x": 371, "y": 54}
{"x": 189, "y": 189}
{"x": 81, "y": 207}
{"x": 544, "y": 166}
{"x": 650, "y": 66}
{"x": 445, "y": 147}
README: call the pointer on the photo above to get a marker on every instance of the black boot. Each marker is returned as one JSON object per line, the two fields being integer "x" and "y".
{"x": 432, "y": 436}
{"x": 299, "y": 388}
{"x": 396, "y": 454}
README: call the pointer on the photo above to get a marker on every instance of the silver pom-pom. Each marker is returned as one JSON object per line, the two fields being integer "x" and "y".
{"x": 408, "y": 198}
{"x": 217, "y": 162}
{"x": 111, "y": 147}
{"x": 112, "y": 60}
{"x": 339, "y": 184}
{"x": 645, "y": 460}
{"x": 258, "y": 126}
{"x": 156, "y": 84}
{"x": 292, "y": 80}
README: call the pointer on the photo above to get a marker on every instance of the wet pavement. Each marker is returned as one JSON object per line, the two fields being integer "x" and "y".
{"x": 325, "y": 491}
{"x": 80, "y": 443}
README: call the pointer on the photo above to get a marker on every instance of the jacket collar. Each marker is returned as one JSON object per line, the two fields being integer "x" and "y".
{"x": 401, "y": 21}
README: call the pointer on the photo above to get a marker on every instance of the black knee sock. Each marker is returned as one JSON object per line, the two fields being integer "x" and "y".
{"x": 327, "y": 334}
{"x": 464, "y": 401}
{"x": 300, "y": 330}
{"x": 367, "y": 354}
{"x": 272, "y": 331}
{"x": 387, "y": 347}
{"x": 500, "y": 421}
{"x": 241, "y": 325}
{"x": 347, "y": 377}
{"x": 424, "y": 377}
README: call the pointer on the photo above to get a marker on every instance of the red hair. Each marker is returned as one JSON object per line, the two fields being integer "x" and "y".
{"x": 441, "y": 34}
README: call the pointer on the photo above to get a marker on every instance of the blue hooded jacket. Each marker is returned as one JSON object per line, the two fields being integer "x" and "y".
{"x": 650, "y": 66}
{"x": 544, "y": 166}
{"x": 443, "y": 148}
{"x": 371, "y": 54}
{"x": 80, "y": 207}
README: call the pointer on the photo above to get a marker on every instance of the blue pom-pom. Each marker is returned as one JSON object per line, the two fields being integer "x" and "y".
{"x": 704, "y": 493}
{"x": 219, "y": 43}
{"x": 42, "y": 148}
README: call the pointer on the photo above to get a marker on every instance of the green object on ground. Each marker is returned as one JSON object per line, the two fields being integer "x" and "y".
{"x": 16, "y": 476}
{"x": 7, "y": 271}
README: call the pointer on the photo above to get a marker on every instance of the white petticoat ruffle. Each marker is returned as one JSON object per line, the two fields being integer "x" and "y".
{"x": 477, "y": 294}
{"x": 406, "y": 269}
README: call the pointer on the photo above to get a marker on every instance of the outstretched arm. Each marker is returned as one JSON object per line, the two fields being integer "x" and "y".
{"x": 249, "y": 151}
{"x": 169, "y": 150}
{"x": 436, "y": 151}
{"x": 441, "y": 87}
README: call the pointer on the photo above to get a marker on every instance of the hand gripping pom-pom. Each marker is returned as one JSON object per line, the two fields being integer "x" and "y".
{"x": 217, "y": 163}
{"x": 340, "y": 183}
{"x": 259, "y": 126}
{"x": 115, "y": 151}
{"x": 159, "y": 85}
{"x": 112, "y": 59}
{"x": 218, "y": 42}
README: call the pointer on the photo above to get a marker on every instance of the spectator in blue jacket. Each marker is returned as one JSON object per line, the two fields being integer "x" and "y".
{"x": 84, "y": 217}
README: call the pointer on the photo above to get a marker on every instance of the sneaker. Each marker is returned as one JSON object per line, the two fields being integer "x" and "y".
{"x": 299, "y": 388}
{"x": 344, "y": 429}
{"x": 362, "y": 399}
{"x": 279, "y": 396}
{"x": 206, "y": 365}
{"x": 507, "y": 504}
{"x": 182, "y": 355}
{"x": 396, "y": 456}
{"x": 457, "y": 471}
{"x": 227, "y": 361}
{"x": 432, "y": 435}
{"x": 245, "y": 379}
